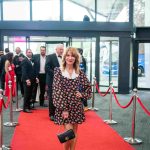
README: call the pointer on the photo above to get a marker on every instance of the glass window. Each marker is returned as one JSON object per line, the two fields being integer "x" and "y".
{"x": 46, "y": 9}
{"x": 75, "y": 10}
{"x": 141, "y": 12}
{"x": 16, "y": 10}
{"x": 109, "y": 61}
{"x": 113, "y": 10}
{"x": 88, "y": 45}
{"x": 143, "y": 65}
{"x": 0, "y": 10}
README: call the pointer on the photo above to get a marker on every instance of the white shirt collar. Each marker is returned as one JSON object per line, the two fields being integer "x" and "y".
{"x": 66, "y": 74}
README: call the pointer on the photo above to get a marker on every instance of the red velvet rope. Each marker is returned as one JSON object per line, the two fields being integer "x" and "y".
{"x": 113, "y": 92}
{"x": 143, "y": 107}
{"x": 101, "y": 94}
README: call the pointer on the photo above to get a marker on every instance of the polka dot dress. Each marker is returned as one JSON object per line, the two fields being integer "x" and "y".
{"x": 64, "y": 97}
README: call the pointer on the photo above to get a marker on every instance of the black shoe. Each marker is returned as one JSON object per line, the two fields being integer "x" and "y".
{"x": 52, "y": 118}
{"x": 27, "y": 111}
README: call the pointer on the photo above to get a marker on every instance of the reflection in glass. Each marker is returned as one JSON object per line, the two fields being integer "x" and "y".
{"x": 46, "y": 10}
{"x": 88, "y": 46}
{"x": 74, "y": 10}
{"x": 143, "y": 65}
{"x": 16, "y": 10}
{"x": 113, "y": 11}
{"x": 109, "y": 61}
{"x": 141, "y": 12}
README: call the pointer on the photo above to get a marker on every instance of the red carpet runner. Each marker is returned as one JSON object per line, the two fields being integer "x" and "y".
{"x": 37, "y": 132}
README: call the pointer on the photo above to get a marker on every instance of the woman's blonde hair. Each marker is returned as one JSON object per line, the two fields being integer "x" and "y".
{"x": 75, "y": 54}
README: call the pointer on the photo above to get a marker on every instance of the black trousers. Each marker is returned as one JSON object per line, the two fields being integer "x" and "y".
{"x": 20, "y": 83}
{"x": 84, "y": 101}
{"x": 42, "y": 83}
{"x": 2, "y": 78}
{"x": 51, "y": 105}
{"x": 29, "y": 94}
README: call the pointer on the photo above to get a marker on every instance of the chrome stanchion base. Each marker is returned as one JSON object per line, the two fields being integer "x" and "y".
{"x": 93, "y": 108}
{"x": 11, "y": 124}
{"x": 133, "y": 140}
{"x": 110, "y": 121}
{"x": 18, "y": 110}
{"x": 6, "y": 147}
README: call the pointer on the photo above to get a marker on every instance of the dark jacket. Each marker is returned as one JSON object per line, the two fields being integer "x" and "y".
{"x": 51, "y": 63}
{"x": 37, "y": 60}
{"x": 29, "y": 69}
{"x": 17, "y": 62}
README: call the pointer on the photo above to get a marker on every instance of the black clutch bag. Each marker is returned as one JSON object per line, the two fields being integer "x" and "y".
{"x": 66, "y": 136}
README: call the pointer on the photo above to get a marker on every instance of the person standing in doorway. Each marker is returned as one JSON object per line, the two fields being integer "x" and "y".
{"x": 30, "y": 79}
{"x": 18, "y": 62}
{"x": 3, "y": 59}
{"x": 52, "y": 61}
{"x": 83, "y": 68}
{"x": 41, "y": 60}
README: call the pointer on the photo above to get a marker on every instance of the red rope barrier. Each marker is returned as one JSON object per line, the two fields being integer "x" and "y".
{"x": 143, "y": 107}
{"x": 118, "y": 101}
{"x": 100, "y": 91}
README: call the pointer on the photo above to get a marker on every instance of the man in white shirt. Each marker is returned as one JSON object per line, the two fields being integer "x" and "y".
{"x": 41, "y": 60}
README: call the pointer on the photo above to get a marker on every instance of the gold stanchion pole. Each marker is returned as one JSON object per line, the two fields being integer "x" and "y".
{"x": 110, "y": 121}
{"x": 132, "y": 139}
{"x": 93, "y": 96}
{"x": 1, "y": 126}
{"x": 11, "y": 123}
{"x": 16, "y": 90}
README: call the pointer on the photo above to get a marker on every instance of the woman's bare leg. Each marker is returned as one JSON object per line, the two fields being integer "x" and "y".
{"x": 67, "y": 144}
{"x": 74, "y": 141}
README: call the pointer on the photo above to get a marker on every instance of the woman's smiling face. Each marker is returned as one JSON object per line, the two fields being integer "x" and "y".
{"x": 70, "y": 59}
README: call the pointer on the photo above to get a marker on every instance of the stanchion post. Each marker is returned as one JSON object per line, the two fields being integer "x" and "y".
{"x": 1, "y": 126}
{"x": 110, "y": 121}
{"x": 132, "y": 139}
{"x": 17, "y": 105}
{"x": 93, "y": 96}
{"x": 11, "y": 123}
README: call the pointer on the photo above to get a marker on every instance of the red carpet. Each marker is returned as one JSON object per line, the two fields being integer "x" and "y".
{"x": 37, "y": 132}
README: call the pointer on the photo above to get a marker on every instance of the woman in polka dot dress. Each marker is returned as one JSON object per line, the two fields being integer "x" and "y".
{"x": 68, "y": 79}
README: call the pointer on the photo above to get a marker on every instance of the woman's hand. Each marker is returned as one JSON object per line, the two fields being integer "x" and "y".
{"x": 78, "y": 94}
{"x": 65, "y": 114}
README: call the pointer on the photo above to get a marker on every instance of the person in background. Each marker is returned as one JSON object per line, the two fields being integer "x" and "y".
{"x": 67, "y": 96}
{"x": 83, "y": 68}
{"x": 18, "y": 62}
{"x": 3, "y": 59}
{"x": 1, "y": 54}
{"x": 30, "y": 79}
{"x": 10, "y": 75}
{"x": 52, "y": 61}
{"x": 41, "y": 60}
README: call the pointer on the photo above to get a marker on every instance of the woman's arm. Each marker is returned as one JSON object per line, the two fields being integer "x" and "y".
{"x": 7, "y": 65}
{"x": 58, "y": 95}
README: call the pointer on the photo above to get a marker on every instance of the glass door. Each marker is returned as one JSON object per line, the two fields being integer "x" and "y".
{"x": 109, "y": 62}
{"x": 144, "y": 65}
{"x": 88, "y": 45}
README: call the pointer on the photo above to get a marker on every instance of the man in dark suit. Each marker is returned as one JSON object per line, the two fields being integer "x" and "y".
{"x": 52, "y": 61}
{"x": 41, "y": 60}
{"x": 3, "y": 59}
{"x": 18, "y": 62}
{"x": 30, "y": 79}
